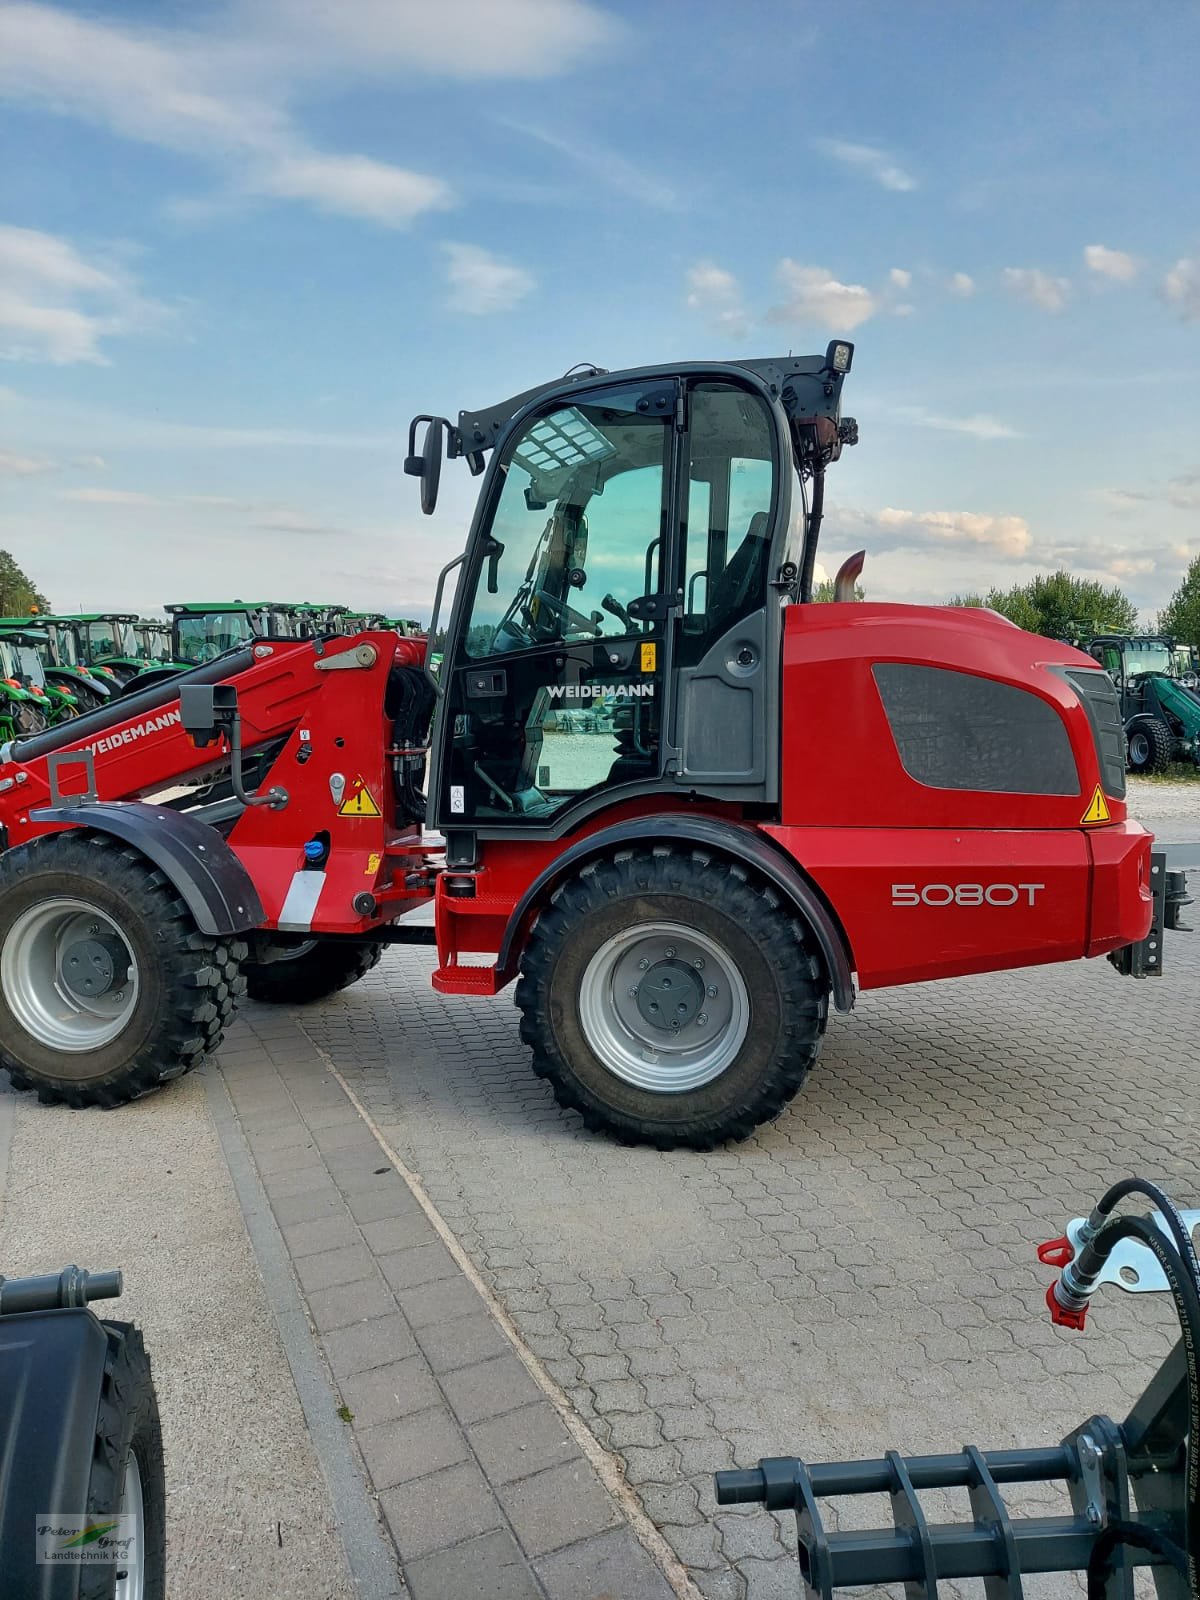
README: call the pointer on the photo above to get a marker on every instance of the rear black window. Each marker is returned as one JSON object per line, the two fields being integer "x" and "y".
{"x": 956, "y": 731}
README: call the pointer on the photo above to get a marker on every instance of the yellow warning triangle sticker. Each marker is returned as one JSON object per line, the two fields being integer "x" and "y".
{"x": 359, "y": 801}
{"x": 1098, "y": 810}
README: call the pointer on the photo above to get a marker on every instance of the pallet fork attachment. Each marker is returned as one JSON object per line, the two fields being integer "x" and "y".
{"x": 1133, "y": 1486}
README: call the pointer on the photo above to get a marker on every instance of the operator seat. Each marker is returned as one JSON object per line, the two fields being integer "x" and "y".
{"x": 739, "y": 588}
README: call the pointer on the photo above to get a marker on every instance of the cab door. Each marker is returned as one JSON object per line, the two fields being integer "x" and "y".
{"x": 554, "y": 679}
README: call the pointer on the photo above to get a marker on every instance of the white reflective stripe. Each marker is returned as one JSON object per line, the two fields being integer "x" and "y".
{"x": 301, "y": 904}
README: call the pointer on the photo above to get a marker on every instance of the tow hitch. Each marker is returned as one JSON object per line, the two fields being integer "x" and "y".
{"x": 1134, "y": 1486}
{"x": 1169, "y": 868}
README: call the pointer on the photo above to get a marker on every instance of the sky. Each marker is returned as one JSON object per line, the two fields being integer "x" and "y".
{"x": 242, "y": 242}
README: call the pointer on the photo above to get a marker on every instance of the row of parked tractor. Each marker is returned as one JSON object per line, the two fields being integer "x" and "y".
{"x": 53, "y": 668}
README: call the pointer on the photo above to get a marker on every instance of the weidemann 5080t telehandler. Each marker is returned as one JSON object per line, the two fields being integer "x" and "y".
{"x": 634, "y": 802}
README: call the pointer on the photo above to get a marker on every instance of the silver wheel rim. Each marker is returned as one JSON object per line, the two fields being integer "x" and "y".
{"x": 131, "y": 1575}
{"x": 68, "y": 975}
{"x": 1139, "y": 748}
{"x": 664, "y": 1007}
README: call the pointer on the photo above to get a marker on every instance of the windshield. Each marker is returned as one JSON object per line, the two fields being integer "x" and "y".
{"x": 29, "y": 666}
{"x": 8, "y": 660}
{"x": 155, "y": 643}
{"x": 1146, "y": 655}
{"x": 581, "y": 504}
{"x": 110, "y": 639}
{"x": 64, "y": 645}
{"x": 201, "y": 638}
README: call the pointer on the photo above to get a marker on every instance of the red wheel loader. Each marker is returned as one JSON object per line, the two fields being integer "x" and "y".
{"x": 634, "y": 809}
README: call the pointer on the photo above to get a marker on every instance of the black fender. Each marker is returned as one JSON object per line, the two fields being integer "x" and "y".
{"x": 51, "y": 1371}
{"x": 740, "y": 843}
{"x": 215, "y": 886}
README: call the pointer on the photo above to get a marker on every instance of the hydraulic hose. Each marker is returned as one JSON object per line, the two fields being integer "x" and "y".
{"x": 1183, "y": 1280}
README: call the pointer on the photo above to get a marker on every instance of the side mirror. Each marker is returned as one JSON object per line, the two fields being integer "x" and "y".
{"x": 427, "y": 465}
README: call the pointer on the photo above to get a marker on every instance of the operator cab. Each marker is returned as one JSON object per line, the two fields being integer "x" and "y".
{"x": 618, "y": 623}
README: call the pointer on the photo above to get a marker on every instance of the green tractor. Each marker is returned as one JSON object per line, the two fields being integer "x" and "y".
{"x": 200, "y": 632}
{"x": 314, "y": 621}
{"x": 59, "y": 653}
{"x": 154, "y": 642}
{"x": 105, "y": 641}
{"x": 1162, "y": 716}
{"x": 21, "y": 663}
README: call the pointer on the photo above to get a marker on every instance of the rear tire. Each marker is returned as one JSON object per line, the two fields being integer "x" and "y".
{"x": 127, "y": 1470}
{"x": 1151, "y": 744}
{"x": 744, "y": 999}
{"x": 317, "y": 969}
{"x": 162, "y": 993}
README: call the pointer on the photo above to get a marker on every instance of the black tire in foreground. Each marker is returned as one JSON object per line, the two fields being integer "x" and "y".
{"x": 671, "y": 999}
{"x": 127, "y": 1476}
{"x": 107, "y": 988}
{"x": 310, "y": 971}
{"x": 1151, "y": 745}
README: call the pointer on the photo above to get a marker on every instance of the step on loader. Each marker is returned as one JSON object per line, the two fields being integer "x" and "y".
{"x": 636, "y": 810}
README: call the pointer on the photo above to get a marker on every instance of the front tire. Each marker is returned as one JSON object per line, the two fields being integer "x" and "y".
{"x": 670, "y": 999}
{"x": 107, "y": 988}
{"x": 1151, "y": 745}
{"x": 127, "y": 1475}
{"x": 310, "y": 971}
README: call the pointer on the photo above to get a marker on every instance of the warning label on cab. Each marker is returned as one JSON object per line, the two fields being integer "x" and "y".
{"x": 1098, "y": 810}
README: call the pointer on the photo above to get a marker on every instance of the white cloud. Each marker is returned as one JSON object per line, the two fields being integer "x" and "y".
{"x": 17, "y": 466}
{"x": 1007, "y": 536}
{"x": 872, "y": 162}
{"x": 1181, "y": 288}
{"x": 212, "y": 98}
{"x": 962, "y": 285}
{"x": 109, "y": 497}
{"x": 901, "y": 277}
{"x": 716, "y": 293}
{"x": 1038, "y": 287}
{"x": 977, "y": 426}
{"x": 90, "y": 463}
{"x": 482, "y": 283}
{"x": 55, "y": 306}
{"x": 527, "y": 39}
{"x": 814, "y": 295}
{"x": 1109, "y": 263}
{"x": 353, "y": 186}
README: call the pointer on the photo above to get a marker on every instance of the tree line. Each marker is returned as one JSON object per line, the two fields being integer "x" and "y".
{"x": 1063, "y": 607}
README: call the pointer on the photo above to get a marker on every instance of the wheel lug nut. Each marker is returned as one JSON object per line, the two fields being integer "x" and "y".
{"x": 643, "y": 964}
{"x": 669, "y": 952}
{"x": 701, "y": 1019}
{"x": 712, "y": 991}
{"x": 633, "y": 992}
{"x": 699, "y": 965}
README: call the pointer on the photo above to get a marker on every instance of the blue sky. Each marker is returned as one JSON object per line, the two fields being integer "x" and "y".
{"x": 241, "y": 243}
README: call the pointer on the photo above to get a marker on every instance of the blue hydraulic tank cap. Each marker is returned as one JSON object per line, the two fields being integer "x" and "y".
{"x": 314, "y": 850}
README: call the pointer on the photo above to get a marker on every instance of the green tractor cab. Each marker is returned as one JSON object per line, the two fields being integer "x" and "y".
{"x": 319, "y": 622}
{"x": 154, "y": 642}
{"x": 200, "y": 632}
{"x": 1161, "y": 714}
{"x": 22, "y": 711}
{"x": 105, "y": 641}
{"x": 21, "y": 665}
{"x": 59, "y": 654}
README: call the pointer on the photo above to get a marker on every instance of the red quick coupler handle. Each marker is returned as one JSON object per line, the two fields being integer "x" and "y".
{"x": 1067, "y": 1310}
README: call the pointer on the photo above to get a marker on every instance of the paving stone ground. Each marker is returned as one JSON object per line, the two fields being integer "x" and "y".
{"x": 483, "y": 1490}
{"x": 859, "y": 1275}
